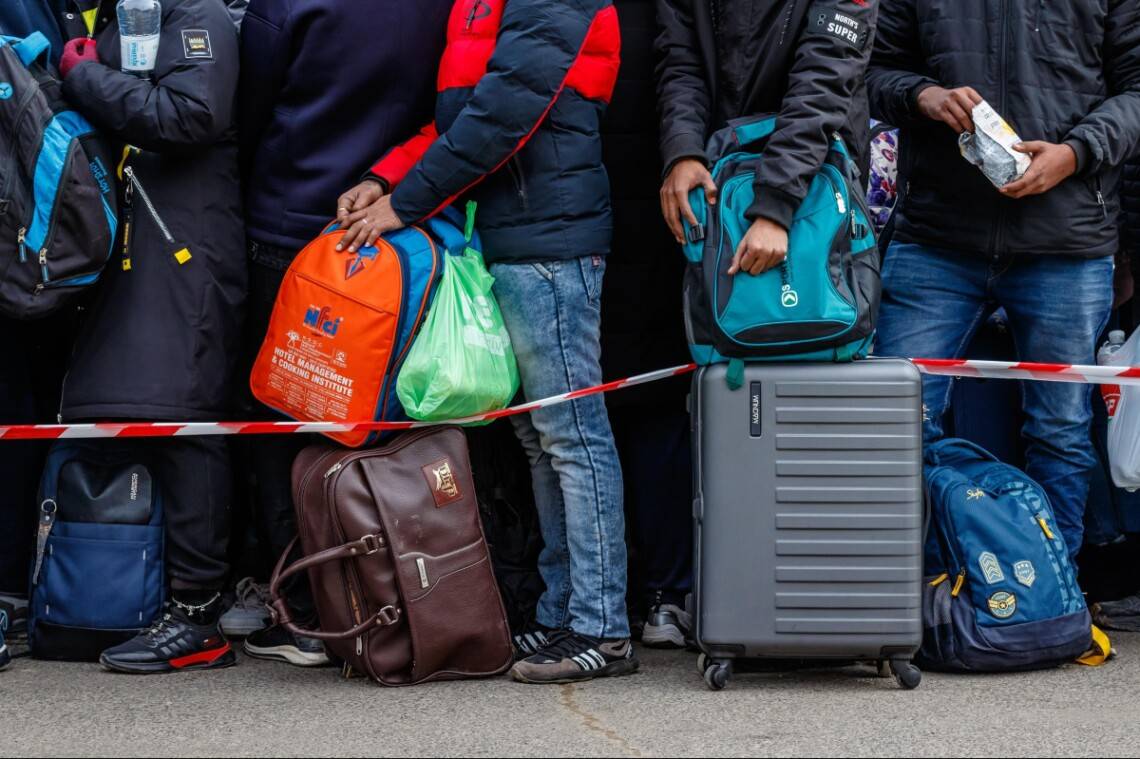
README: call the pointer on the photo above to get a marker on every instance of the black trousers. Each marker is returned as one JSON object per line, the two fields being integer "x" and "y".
{"x": 654, "y": 446}
{"x": 197, "y": 487}
{"x": 270, "y": 458}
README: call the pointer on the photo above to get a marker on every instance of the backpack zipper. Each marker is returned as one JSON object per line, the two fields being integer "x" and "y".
{"x": 22, "y": 241}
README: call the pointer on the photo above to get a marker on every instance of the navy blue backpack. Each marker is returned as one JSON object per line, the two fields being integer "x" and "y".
{"x": 1001, "y": 593}
{"x": 97, "y": 575}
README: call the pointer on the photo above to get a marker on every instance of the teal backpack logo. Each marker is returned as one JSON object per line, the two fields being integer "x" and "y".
{"x": 5, "y": 90}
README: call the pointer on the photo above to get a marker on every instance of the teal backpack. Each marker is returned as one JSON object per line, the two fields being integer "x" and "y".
{"x": 1001, "y": 594}
{"x": 821, "y": 303}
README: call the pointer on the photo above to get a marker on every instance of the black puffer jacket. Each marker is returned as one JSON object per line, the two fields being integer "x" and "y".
{"x": 801, "y": 59}
{"x": 160, "y": 340}
{"x": 1057, "y": 71}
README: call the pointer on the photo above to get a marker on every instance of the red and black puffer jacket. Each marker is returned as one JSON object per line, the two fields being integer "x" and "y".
{"x": 523, "y": 85}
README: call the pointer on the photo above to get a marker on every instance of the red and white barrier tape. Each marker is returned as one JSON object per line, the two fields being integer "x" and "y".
{"x": 198, "y": 429}
{"x": 1094, "y": 375}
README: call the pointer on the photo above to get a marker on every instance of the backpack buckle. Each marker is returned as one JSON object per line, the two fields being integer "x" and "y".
{"x": 696, "y": 233}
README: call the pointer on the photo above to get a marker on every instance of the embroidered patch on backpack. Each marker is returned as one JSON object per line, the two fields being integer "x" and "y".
{"x": 1025, "y": 573}
{"x": 826, "y": 19}
{"x": 196, "y": 44}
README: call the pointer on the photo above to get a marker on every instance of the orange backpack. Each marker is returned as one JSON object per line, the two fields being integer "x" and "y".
{"x": 344, "y": 322}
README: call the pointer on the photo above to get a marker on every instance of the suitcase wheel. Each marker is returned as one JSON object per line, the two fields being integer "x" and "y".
{"x": 717, "y": 673}
{"x": 906, "y": 674}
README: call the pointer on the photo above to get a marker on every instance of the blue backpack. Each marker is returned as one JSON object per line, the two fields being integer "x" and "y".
{"x": 821, "y": 303}
{"x": 97, "y": 576}
{"x": 1001, "y": 593}
{"x": 58, "y": 202}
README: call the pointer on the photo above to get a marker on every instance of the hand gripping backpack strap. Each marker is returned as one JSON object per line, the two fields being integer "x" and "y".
{"x": 279, "y": 607}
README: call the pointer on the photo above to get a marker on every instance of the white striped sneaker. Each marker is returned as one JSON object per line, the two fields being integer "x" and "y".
{"x": 532, "y": 641}
{"x": 569, "y": 657}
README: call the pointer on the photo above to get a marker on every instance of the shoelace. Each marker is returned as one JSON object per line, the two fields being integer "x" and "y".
{"x": 565, "y": 644}
{"x": 251, "y": 595}
{"x": 160, "y": 627}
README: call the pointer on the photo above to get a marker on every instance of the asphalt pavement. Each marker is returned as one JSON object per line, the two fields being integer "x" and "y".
{"x": 260, "y": 709}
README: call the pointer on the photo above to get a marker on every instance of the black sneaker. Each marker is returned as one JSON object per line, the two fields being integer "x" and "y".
{"x": 275, "y": 643}
{"x": 186, "y": 638}
{"x": 15, "y": 609}
{"x": 532, "y": 641}
{"x": 669, "y": 626}
{"x": 570, "y": 657}
{"x": 5, "y": 656}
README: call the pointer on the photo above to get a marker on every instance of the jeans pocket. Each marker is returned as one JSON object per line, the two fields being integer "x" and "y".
{"x": 593, "y": 270}
{"x": 546, "y": 270}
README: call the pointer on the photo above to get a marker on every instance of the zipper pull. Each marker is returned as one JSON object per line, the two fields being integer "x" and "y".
{"x": 839, "y": 203}
{"x": 359, "y": 645}
{"x": 335, "y": 468}
{"x": 43, "y": 264}
{"x": 959, "y": 583}
{"x": 1103, "y": 205}
{"x": 1045, "y": 527}
{"x": 22, "y": 241}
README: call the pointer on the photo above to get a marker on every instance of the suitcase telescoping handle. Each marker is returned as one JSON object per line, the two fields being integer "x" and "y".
{"x": 279, "y": 607}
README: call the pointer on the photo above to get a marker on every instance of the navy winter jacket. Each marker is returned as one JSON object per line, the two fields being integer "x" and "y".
{"x": 326, "y": 86}
{"x": 19, "y": 18}
{"x": 522, "y": 89}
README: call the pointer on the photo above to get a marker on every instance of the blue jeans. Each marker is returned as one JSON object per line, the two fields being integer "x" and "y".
{"x": 552, "y": 311}
{"x": 933, "y": 303}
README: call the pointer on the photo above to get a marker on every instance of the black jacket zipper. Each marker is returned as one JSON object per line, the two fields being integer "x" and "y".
{"x": 515, "y": 167}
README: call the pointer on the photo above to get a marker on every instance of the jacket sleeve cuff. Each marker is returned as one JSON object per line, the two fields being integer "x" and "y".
{"x": 680, "y": 147}
{"x": 1084, "y": 154}
{"x": 922, "y": 85}
{"x": 775, "y": 205}
{"x": 372, "y": 176}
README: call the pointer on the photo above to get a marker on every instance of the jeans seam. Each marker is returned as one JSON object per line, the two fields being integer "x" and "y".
{"x": 589, "y": 455}
{"x": 966, "y": 338}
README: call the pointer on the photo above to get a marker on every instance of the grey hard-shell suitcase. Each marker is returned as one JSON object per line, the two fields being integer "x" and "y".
{"x": 809, "y": 514}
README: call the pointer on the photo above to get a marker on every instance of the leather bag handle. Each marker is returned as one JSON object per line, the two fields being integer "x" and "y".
{"x": 279, "y": 607}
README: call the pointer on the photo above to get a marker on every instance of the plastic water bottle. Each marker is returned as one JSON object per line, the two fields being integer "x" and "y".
{"x": 1111, "y": 393}
{"x": 140, "y": 27}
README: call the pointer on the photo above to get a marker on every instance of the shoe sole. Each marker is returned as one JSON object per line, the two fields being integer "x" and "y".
{"x": 218, "y": 659}
{"x": 287, "y": 654}
{"x": 664, "y": 636}
{"x": 242, "y": 629}
{"x": 614, "y": 669}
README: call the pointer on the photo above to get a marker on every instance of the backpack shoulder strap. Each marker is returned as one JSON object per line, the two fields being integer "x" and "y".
{"x": 31, "y": 48}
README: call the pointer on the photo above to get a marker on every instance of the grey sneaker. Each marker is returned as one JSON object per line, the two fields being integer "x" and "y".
{"x": 669, "y": 626}
{"x": 250, "y": 611}
{"x": 569, "y": 657}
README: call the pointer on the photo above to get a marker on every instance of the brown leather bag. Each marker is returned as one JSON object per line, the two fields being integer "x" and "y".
{"x": 398, "y": 563}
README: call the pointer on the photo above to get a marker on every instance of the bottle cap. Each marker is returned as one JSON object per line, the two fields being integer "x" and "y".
{"x": 1117, "y": 337}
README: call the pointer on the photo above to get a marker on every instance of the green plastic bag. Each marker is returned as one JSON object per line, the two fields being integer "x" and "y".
{"x": 462, "y": 363}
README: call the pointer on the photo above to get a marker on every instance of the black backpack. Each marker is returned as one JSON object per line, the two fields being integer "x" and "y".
{"x": 58, "y": 204}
